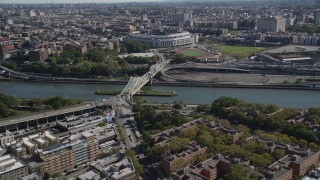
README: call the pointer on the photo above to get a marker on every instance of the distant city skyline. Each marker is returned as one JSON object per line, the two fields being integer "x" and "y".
{"x": 120, "y": 1}
{"x": 67, "y": 1}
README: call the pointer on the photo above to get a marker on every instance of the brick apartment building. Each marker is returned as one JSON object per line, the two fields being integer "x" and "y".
{"x": 162, "y": 137}
{"x": 210, "y": 169}
{"x": 80, "y": 149}
{"x": 173, "y": 162}
{"x": 299, "y": 163}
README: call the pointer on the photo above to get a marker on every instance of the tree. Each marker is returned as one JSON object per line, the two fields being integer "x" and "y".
{"x": 9, "y": 101}
{"x": 46, "y": 176}
{"x": 137, "y": 166}
{"x": 219, "y": 105}
{"x": 203, "y": 107}
{"x": 180, "y": 58}
{"x": 278, "y": 153}
{"x": 96, "y": 55}
{"x": 177, "y": 106}
{"x": 240, "y": 172}
{"x": 9, "y": 64}
{"x": 123, "y": 50}
{"x": 136, "y": 47}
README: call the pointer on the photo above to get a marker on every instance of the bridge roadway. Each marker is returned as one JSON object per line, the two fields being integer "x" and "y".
{"x": 136, "y": 83}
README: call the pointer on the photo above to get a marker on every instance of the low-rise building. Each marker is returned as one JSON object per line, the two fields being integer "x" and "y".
{"x": 210, "y": 169}
{"x": 33, "y": 176}
{"x": 164, "y": 136}
{"x": 12, "y": 168}
{"x": 121, "y": 170}
{"x": 77, "y": 124}
{"x": 104, "y": 134}
{"x": 36, "y": 167}
{"x": 17, "y": 149}
{"x": 173, "y": 162}
{"x": 272, "y": 145}
{"x": 299, "y": 163}
{"x": 6, "y": 137}
{"x": 90, "y": 175}
{"x": 278, "y": 173}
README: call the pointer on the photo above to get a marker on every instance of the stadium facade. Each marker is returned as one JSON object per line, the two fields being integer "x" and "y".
{"x": 163, "y": 41}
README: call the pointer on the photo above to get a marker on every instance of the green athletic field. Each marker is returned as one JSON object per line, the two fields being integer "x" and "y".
{"x": 239, "y": 50}
{"x": 193, "y": 52}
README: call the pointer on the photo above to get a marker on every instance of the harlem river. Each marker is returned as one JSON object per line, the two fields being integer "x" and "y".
{"x": 187, "y": 95}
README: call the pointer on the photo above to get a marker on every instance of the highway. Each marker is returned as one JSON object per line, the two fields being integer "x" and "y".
{"x": 36, "y": 116}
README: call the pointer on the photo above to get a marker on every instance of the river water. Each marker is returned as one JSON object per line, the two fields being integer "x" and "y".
{"x": 188, "y": 95}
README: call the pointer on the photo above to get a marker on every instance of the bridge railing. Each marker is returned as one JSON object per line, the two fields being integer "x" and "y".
{"x": 136, "y": 83}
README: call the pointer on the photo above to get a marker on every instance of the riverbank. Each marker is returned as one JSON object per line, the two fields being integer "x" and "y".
{"x": 233, "y": 85}
{"x": 107, "y": 92}
{"x": 156, "y": 93}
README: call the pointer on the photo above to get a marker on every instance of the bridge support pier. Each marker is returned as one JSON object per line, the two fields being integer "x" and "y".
{"x": 131, "y": 97}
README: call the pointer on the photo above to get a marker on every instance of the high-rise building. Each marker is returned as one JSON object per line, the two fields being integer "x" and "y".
{"x": 181, "y": 17}
{"x": 317, "y": 18}
{"x": 271, "y": 24}
{"x": 38, "y": 55}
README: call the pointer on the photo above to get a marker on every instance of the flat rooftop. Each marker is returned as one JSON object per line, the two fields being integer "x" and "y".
{"x": 120, "y": 169}
{"x": 9, "y": 163}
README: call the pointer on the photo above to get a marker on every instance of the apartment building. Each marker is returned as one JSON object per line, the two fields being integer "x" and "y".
{"x": 162, "y": 137}
{"x": 210, "y": 169}
{"x": 57, "y": 158}
{"x": 33, "y": 176}
{"x": 17, "y": 149}
{"x": 12, "y": 168}
{"x": 38, "y": 55}
{"x": 84, "y": 146}
{"x": 6, "y": 137}
{"x": 278, "y": 173}
{"x": 271, "y": 24}
{"x": 173, "y": 162}
{"x": 299, "y": 163}
{"x": 317, "y": 18}
{"x": 78, "y": 150}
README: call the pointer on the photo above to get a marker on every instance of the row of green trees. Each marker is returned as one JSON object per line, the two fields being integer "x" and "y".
{"x": 6, "y": 106}
{"x": 12, "y": 106}
{"x": 180, "y": 58}
{"x": 149, "y": 122}
{"x": 96, "y": 62}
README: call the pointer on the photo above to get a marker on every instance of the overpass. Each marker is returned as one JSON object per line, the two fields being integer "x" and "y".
{"x": 206, "y": 67}
{"x": 46, "y": 117}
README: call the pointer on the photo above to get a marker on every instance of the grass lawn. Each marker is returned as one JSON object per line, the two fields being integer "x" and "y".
{"x": 239, "y": 50}
{"x": 193, "y": 52}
